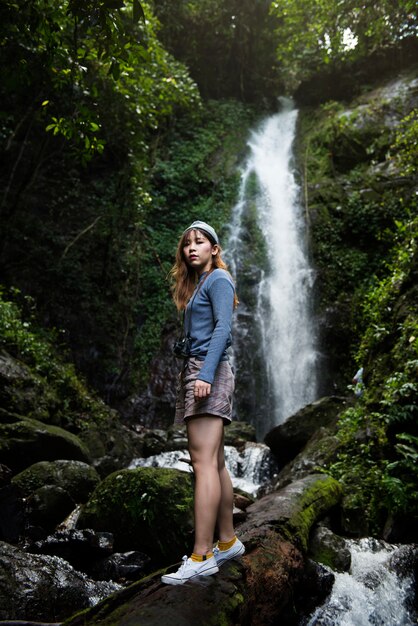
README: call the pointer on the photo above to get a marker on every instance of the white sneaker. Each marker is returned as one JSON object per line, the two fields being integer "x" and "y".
{"x": 191, "y": 569}
{"x": 236, "y": 550}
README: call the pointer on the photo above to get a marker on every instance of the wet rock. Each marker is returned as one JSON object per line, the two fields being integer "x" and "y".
{"x": 112, "y": 445}
{"x": 47, "y": 506}
{"x": 131, "y": 565}
{"x": 256, "y": 590}
{"x": 27, "y": 441}
{"x": 78, "y": 479}
{"x": 154, "y": 408}
{"x": 12, "y": 510}
{"x": 319, "y": 452}
{"x": 314, "y": 587}
{"x": 401, "y": 528}
{"x": 288, "y": 439}
{"x": 329, "y": 549}
{"x": 237, "y": 434}
{"x": 147, "y": 509}
{"x": 206, "y": 601}
{"x": 38, "y": 587}
{"x": 79, "y": 547}
{"x": 404, "y": 561}
{"x": 22, "y": 391}
{"x": 242, "y": 502}
{"x": 239, "y": 515}
{"x": 177, "y": 438}
{"x": 154, "y": 442}
{"x": 292, "y": 511}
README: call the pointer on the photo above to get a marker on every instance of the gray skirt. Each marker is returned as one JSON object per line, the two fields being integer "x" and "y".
{"x": 219, "y": 401}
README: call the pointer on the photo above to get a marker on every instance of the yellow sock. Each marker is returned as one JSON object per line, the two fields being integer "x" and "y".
{"x": 225, "y": 545}
{"x": 198, "y": 558}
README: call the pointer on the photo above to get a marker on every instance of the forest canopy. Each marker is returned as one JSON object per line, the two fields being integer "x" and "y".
{"x": 116, "y": 125}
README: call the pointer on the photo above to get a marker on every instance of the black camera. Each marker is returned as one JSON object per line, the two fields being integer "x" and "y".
{"x": 182, "y": 347}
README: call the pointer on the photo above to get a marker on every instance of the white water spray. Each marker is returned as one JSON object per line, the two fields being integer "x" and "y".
{"x": 371, "y": 593}
{"x": 283, "y": 314}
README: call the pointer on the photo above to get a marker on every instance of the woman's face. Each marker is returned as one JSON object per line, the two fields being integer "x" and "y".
{"x": 198, "y": 251}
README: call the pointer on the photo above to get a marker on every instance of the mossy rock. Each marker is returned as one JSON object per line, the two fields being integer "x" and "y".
{"x": 319, "y": 452}
{"x": 293, "y": 510}
{"x": 78, "y": 479}
{"x": 209, "y": 601}
{"x": 147, "y": 509}
{"x": 329, "y": 549}
{"x": 238, "y": 433}
{"x": 23, "y": 391}
{"x": 48, "y": 506}
{"x": 27, "y": 441}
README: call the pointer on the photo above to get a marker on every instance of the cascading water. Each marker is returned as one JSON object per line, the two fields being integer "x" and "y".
{"x": 373, "y": 592}
{"x": 276, "y": 280}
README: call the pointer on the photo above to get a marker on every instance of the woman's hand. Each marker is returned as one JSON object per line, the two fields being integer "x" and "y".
{"x": 201, "y": 389}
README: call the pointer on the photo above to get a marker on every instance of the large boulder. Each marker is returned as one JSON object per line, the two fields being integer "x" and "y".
{"x": 53, "y": 488}
{"x": 329, "y": 549}
{"x": 23, "y": 391}
{"x": 237, "y": 434}
{"x": 318, "y": 453}
{"x": 289, "y": 438}
{"x": 12, "y": 518}
{"x": 147, "y": 509}
{"x": 111, "y": 445}
{"x": 26, "y": 441}
{"x": 257, "y": 590}
{"x": 46, "y": 507}
{"x": 78, "y": 479}
{"x": 210, "y": 601}
{"x": 44, "y": 588}
{"x": 292, "y": 511}
{"x": 83, "y": 549}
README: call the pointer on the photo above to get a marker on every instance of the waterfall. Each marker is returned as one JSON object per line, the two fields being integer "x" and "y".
{"x": 373, "y": 592}
{"x": 274, "y": 331}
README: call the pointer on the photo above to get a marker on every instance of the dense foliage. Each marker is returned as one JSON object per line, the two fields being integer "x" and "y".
{"x": 229, "y": 47}
{"x": 108, "y": 150}
{"x": 85, "y": 100}
{"x": 362, "y": 202}
{"x": 58, "y": 394}
{"x": 336, "y": 32}
{"x": 379, "y": 436}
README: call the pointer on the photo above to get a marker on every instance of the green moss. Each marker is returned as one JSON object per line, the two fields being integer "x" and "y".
{"x": 42, "y": 383}
{"x": 148, "y": 509}
{"x": 78, "y": 479}
{"x": 27, "y": 441}
{"x": 316, "y": 500}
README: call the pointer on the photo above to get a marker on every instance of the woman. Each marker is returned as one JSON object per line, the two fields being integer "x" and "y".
{"x": 205, "y": 291}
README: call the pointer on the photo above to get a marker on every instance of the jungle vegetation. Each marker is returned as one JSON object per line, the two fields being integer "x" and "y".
{"x": 120, "y": 121}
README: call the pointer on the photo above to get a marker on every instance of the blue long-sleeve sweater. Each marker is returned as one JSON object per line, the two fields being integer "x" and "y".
{"x": 210, "y": 321}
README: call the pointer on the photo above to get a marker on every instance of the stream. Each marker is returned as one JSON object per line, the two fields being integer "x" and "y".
{"x": 373, "y": 592}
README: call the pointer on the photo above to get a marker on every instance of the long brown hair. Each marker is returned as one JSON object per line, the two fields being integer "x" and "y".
{"x": 184, "y": 278}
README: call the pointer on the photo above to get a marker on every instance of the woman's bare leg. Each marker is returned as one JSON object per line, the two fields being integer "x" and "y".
{"x": 226, "y": 505}
{"x": 205, "y": 436}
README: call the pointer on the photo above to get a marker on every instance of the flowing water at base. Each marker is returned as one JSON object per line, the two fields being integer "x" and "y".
{"x": 372, "y": 593}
